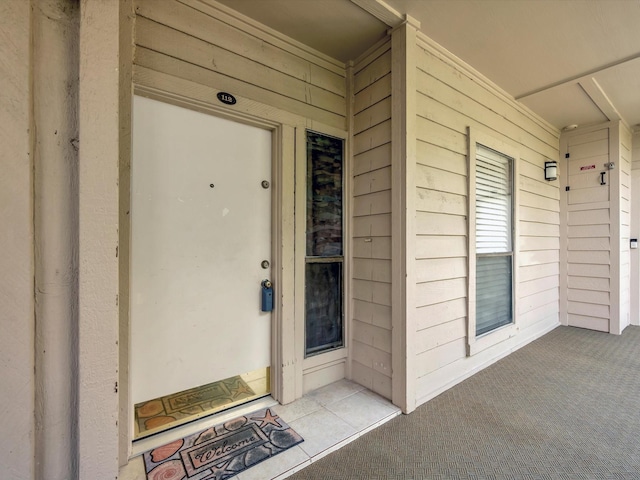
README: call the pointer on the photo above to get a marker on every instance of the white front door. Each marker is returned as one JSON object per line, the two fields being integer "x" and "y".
{"x": 201, "y": 240}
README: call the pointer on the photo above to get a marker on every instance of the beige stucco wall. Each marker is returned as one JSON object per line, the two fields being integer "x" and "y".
{"x": 16, "y": 245}
{"x": 39, "y": 190}
{"x": 58, "y": 419}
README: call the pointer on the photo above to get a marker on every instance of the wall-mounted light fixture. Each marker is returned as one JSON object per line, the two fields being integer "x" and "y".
{"x": 550, "y": 171}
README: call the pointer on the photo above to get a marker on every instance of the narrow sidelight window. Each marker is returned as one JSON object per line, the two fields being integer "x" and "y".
{"x": 325, "y": 248}
{"x": 494, "y": 240}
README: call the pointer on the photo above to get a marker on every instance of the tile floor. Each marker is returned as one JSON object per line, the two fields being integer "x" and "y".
{"x": 327, "y": 419}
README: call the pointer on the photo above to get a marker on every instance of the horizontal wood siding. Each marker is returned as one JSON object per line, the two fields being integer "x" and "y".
{"x": 371, "y": 322}
{"x": 588, "y": 235}
{"x": 634, "y": 255}
{"x": 177, "y": 41}
{"x": 449, "y": 100}
{"x": 625, "y": 226}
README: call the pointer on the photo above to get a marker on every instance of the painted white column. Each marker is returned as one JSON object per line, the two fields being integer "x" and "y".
{"x": 55, "y": 94}
{"x": 99, "y": 128}
{"x": 619, "y": 143}
{"x": 16, "y": 244}
{"x": 403, "y": 192}
{"x": 635, "y": 230}
{"x": 613, "y": 178}
{"x": 126, "y": 41}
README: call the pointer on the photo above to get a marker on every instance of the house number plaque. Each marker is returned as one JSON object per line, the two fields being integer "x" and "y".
{"x": 227, "y": 98}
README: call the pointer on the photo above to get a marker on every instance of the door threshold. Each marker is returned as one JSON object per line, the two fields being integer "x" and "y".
{"x": 145, "y": 444}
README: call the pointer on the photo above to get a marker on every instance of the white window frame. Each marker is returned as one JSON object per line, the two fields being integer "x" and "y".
{"x": 316, "y": 371}
{"x": 475, "y": 343}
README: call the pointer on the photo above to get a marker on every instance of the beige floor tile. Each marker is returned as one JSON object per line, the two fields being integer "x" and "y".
{"x": 334, "y": 392}
{"x": 134, "y": 470}
{"x": 362, "y": 411}
{"x": 276, "y": 465}
{"x": 299, "y": 408}
{"x": 321, "y": 430}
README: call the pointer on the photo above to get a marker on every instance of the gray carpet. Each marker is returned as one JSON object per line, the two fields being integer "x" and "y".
{"x": 566, "y": 406}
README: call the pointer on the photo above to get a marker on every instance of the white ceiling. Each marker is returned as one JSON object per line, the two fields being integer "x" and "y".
{"x": 570, "y": 61}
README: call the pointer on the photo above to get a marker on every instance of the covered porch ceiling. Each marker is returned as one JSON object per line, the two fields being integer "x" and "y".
{"x": 573, "y": 62}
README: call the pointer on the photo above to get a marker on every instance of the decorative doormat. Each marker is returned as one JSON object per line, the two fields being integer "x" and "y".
{"x": 222, "y": 451}
{"x": 183, "y": 406}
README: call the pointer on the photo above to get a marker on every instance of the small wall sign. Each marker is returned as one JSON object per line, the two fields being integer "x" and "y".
{"x": 588, "y": 167}
{"x": 226, "y": 98}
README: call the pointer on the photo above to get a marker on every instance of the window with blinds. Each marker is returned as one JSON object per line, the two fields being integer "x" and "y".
{"x": 494, "y": 240}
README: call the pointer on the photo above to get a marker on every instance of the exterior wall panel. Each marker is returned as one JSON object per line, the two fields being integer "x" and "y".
{"x": 180, "y": 49}
{"x": 17, "y": 284}
{"x": 450, "y": 99}
{"x": 625, "y": 226}
{"x": 596, "y": 278}
{"x": 371, "y": 320}
{"x": 634, "y": 228}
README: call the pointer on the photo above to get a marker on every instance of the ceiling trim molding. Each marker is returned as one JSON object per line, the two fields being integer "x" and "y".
{"x": 382, "y": 11}
{"x": 599, "y": 97}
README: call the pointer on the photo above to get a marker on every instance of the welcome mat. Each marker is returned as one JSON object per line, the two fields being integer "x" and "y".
{"x": 222, "y": 451}
{"x": 181, "y": 407}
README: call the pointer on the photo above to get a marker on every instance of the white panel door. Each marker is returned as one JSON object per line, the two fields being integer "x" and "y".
{"x": 200, "y": 228}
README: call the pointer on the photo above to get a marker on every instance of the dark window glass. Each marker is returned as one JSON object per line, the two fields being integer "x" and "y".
{"x": 324, "y": 244}
{"x": 323, "y": 305}
{"x": 324, "y": 195}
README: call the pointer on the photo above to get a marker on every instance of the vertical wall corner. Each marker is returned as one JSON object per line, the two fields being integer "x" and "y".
{"x": 403, "y": 164}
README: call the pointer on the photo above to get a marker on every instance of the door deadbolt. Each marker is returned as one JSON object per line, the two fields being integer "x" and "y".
{"x": 265, "y": 184}
{"x": 265, "y": 264}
